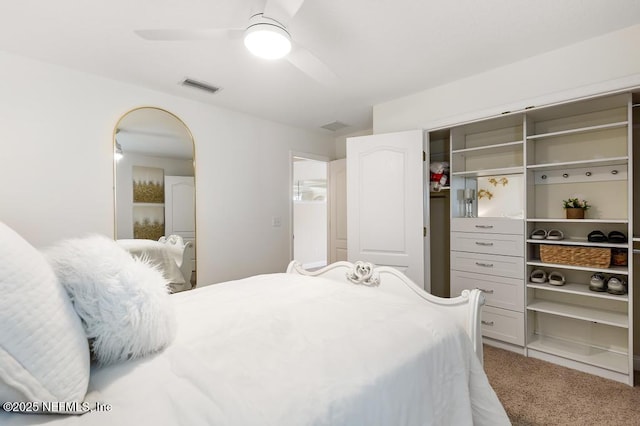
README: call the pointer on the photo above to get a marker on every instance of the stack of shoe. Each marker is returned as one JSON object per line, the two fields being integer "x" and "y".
{"x": 543, "y": 234}
{"x": 613, "y": 237}
{"x": 613, "y": 285}
{"x": 540, "y": 276}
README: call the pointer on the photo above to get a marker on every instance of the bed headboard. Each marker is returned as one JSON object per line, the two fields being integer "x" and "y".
{"x": 464, "y": 309}
{"x": 186, "y": 264}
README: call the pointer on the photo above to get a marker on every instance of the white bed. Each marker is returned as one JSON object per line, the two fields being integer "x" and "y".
{"x": 291, "y": 349}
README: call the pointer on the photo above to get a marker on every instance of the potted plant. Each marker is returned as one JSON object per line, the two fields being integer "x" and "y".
{"x": 575, "y": 207}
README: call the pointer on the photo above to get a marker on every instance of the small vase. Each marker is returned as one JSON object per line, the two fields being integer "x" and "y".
{"x": 575, "y": 213}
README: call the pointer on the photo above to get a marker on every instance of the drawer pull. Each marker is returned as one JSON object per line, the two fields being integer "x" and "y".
{"x": 485, "y": 265}
{"x": 484, "y": 226}
{"x": 485, "y": 291}
{"x": 489, "y": 323}
{"x": 481, "y": 243}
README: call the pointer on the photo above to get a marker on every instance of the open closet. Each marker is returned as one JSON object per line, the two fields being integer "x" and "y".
{"x": 557, "y": 287}
{"x": 437, "y": 209}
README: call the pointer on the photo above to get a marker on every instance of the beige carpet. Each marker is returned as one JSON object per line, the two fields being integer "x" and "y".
{"x": 536, "y": 392}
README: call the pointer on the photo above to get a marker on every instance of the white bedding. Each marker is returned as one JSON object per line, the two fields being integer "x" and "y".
{"x": 168, "y": 258}
{"x": 284, "y": 349}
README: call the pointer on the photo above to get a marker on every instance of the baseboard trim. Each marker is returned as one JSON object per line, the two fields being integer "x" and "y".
{"x": 502, "y": 345}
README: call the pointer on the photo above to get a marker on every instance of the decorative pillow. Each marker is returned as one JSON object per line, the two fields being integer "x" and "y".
{"x": 123, "y": 301}
{"x": 44, "y": 355}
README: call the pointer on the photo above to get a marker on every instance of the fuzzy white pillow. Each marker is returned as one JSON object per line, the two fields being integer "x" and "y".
{"x": 44, "y": 354}
{"x": 123, "y": 301}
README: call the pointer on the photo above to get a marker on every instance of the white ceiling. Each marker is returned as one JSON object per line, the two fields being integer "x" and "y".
{"x": 379, "y": 49}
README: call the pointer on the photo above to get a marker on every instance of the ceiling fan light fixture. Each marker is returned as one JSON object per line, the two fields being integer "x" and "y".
{"x": 267, "y": 39}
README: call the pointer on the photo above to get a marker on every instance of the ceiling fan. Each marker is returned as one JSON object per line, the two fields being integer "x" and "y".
{"x": 265, "y": 30}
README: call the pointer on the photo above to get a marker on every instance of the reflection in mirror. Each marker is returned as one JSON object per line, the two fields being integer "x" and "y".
{"x": 155, "y": 192}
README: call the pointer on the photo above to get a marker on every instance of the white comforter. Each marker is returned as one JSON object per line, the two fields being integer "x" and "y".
{"x": 284, "y": 350}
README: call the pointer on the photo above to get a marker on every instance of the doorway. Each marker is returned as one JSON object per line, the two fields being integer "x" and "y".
{"x": 309, "y": 211}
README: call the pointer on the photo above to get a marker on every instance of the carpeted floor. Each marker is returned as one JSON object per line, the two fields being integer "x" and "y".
{"x": 536, "y": 392}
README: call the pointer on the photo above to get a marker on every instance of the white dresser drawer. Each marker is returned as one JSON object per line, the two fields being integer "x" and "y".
{"x": 504, "y": 266}
{"x": 503, "y": 325}
{"x": 510, "y": 245}
{"x": 499, "y": 292}
{"x": 493, "y": 225}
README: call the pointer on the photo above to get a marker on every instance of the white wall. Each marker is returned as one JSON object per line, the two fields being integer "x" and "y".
{"x": 57, "y": 166}
{"x": 601, "y": 64}
{"x": 341, "y": 142}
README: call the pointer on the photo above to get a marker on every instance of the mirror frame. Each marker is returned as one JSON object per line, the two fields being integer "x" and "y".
{"x": 115, "y": 165}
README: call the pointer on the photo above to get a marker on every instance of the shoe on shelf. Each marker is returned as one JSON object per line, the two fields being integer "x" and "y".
{"x": 538, "y": 276}
{"x": 616, "y": 286}
{"x": 597, "y": 283}
{"x": 597, "y": 237}
{"x": 539, "y": 234}
{"x": 555, "y": 234}
{"x": 556, "y": 278}
{"x": 617, "y": 237}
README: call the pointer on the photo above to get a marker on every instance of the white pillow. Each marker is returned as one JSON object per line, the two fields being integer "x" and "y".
{"x": 123, "y": 301}
{"x": 44, "y": 354}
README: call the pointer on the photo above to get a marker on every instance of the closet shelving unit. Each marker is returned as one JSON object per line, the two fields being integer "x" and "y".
{"x": 488, "y": 252}
{"x": 580, "y": 148}
{"x": 583, "y": 149}
{"x": 483, "y": 153}
{"x": 485, "y": 148}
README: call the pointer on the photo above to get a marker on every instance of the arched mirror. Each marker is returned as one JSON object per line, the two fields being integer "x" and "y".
{"x": 155, "y": 192}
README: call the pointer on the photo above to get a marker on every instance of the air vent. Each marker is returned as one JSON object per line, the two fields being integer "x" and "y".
{"x": 200, "y": 85}
{"x": 336, "y": 125}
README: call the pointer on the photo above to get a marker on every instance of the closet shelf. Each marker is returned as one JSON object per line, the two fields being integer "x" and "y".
{"x": 443, "y": 193}
{"x": 579, "y": 130}
{"x": 579, "y": 242}
{"x": 591, "y": 355}
{"x": 562, "y": 220}
{"x": 584, "y": 313}
{"x": 596, "y": 162}
{"x": 490, "y": 172}
{"x": 578, "y": 289}
{"x": 620, "y": 270}
{"x": 489, "y": 149}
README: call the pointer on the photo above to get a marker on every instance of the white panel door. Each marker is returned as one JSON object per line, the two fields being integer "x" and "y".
{"x": 385, "y": 201}
{"x": 338, "y": 210}
{"x": 179, "y": 197}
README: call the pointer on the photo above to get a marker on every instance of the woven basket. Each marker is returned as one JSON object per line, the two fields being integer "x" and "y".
{"x": 594, "y": 257}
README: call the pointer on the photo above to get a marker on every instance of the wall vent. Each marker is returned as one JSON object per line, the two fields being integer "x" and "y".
{"x": 336, "y": 125}
{"x": 200, "y": 85}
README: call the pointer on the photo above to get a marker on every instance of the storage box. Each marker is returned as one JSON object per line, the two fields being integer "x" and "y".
{"x": 593, "y": 257}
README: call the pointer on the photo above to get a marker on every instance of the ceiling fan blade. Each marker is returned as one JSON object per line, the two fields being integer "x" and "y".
{"x": 282, "y": 10}
{"x": 306, "y": 62}
{"x": 190, "y": 34}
